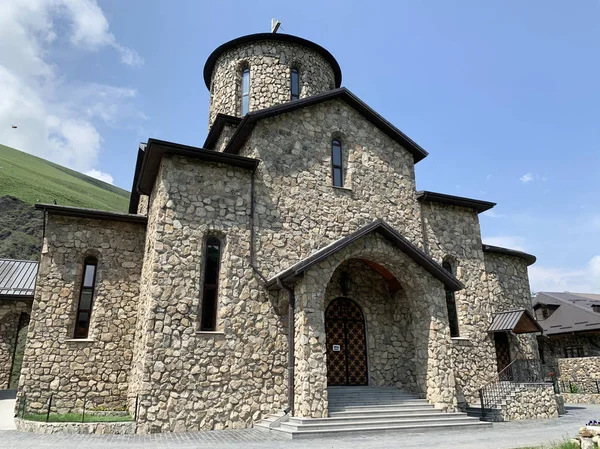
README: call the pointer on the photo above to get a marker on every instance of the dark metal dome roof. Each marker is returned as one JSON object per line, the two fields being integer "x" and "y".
{"x": 212, "y": 59}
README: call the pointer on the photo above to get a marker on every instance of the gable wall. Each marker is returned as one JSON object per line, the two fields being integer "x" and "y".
{"x": 297, "y": 209}
{"x": 453, "y": 233}
{"x": 99, "y": 366}
{"x": 508, "y": 282}
{"x": 205, "y": 380}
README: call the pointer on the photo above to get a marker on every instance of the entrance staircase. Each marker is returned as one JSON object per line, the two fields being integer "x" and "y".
{"x": 358, "y": 410}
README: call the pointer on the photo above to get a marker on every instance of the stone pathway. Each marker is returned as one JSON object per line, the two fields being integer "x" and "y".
{"x": 501, "y": 436}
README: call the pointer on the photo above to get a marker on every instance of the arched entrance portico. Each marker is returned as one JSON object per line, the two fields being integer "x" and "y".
{"x": 346, "y": 344}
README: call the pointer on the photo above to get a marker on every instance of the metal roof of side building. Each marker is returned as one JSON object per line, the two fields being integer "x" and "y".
{"x": 17, "y": 278}
{"x": 573, "y": 312}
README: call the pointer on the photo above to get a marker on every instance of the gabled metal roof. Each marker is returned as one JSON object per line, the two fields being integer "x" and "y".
{"x": 393, "y": 236}
{"x": 17, "y": 278}
{"x": 574, "y": 312}
{"x": 519, "y": 321}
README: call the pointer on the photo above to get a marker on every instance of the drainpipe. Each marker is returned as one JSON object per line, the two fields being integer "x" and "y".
{"x": 252, "y": 263}
{"x": 291, "y": 306}
{"x": 291, "y": 343}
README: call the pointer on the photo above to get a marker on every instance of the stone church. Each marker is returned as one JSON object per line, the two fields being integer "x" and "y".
{"x": 288, "y": 255}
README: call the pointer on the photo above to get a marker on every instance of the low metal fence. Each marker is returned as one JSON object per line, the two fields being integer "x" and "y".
{"x": 85, "y": 408}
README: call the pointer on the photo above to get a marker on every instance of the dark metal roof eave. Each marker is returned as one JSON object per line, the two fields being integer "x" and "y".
{"x": 249, "y": 121}
{"x": 93, "y": 214}
{"x": 156, "y": 149}
{"x": 4, "y": 297}
{"x": 386, "y": 231}
{"x": 477, "y": 205}
{"x": 216, "y": 129}
{"x": 280, "y": 37}
{"x": 134, "y": 199}
{"x": 529, "y": 258}
{"x": 507, "y": 321}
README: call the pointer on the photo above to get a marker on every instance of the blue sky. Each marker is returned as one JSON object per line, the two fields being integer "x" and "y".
{"x": 503, "y": 95}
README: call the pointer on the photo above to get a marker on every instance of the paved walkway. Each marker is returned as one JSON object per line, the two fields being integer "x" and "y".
{"x": 501, "y": 436}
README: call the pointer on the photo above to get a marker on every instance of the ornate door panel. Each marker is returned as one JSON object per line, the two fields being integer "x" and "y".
{"x": 346, "y": 343}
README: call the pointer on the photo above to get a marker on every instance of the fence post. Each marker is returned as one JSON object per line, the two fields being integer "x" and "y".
{"x": 135, "y": 412}
{"x": 481, "y": 399}
{"x": 83, "y": 413}
{"x": 49, "y": 405}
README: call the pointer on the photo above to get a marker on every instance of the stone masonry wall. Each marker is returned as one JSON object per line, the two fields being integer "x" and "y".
{"x": 295, "y": 154}
{"x": 534, "y": 401}
{"x": 554, "y": 346}
{"x": 452, "y": 234}
{"x": 579, "y": 368}
{"x": 55, "y": 363}
{"x": 191, "y": 380}
{"x": 224, "y": 137}
{"x": 10, "y": 313}
{"x": 508, "y": 282}
{"x": 430, "y": 335}
{"x": 270, "y": 64}
{"x": 390, "y": 345}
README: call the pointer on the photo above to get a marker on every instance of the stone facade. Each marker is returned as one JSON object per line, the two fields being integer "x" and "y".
{"x": 535, "y": 401}
{"x": 98, "y": 428}
{"x": 579, "y": 368}
{"x": 270, "y": 64}
{"x": 145, "y": 345}
{"x": 553, "y": 348}
{"x": 97, "y": 367}
{"x": 11, "y": 315}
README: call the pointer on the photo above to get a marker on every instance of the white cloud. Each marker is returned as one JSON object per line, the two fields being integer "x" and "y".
{"x": 100, "y": 175}
{"x": 506, "y": 241}
{"x": 553, "y": 279}
{"x": 57, "y": 118}
{"x": 527, "y": 177}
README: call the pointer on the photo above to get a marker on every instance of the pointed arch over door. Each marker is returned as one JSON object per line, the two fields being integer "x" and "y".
{"x": 346, "y": 343}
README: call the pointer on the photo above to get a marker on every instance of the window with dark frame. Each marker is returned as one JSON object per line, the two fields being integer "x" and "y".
{"x": 337, "y": 169}
{"x": 86, "y": 298}
{"x": 451, "y": 305}
{"x": 245, "y": 90}
{"x": 212, "y": 261}
{"x": 574, "y": 351}
{"x": 295, "y": 84}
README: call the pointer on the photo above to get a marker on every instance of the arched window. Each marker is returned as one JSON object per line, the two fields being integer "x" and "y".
{"x": 86, "y": 298}
{"x": 337, "y": 169}
{"x": 451, "y": 305}
{"x": 212, "y": 261}
{"x": 295, "y": 84}
{"x": 245, "y": 90}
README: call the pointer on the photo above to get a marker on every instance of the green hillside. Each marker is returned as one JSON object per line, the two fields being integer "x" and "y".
{"x": 26, "y": 180}
{"x": 35, "y": 180}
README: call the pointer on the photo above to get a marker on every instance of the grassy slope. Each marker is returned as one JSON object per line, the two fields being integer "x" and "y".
{"x": 35, "y": 180}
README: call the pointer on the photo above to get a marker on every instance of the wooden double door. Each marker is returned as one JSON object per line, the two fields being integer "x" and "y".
{"x": 346, "y": 343}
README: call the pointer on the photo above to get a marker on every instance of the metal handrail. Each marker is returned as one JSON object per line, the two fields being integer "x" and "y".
{"x": 517, "y": 371}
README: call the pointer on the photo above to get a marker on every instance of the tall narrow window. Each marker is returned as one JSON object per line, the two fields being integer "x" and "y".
{"x": 337, "y": 169}
{"x": 86, "y": 298}
{"x": 245, "y": 91}
{"x": 451, "y": 305}
{"x": 295, "y": 84}
{"x": 212, "y": 260}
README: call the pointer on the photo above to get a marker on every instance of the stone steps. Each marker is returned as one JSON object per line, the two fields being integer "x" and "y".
{"x": 360, "y": 410}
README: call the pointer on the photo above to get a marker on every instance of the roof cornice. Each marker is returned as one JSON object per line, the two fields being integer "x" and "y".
{"x": 249, "y": 121}
{"x": 393, "y": 236}
{"x": 279, "y": 37}
{"x": 221, "y": 120}
{"x": 93, "y": 214}
{"x": 529, "y": 258}
{"x": 156, "y": 149}
{"x": 477, "y": 205}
